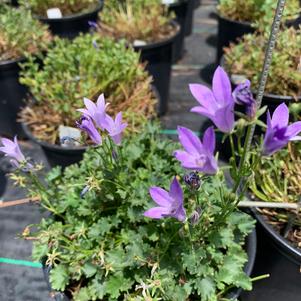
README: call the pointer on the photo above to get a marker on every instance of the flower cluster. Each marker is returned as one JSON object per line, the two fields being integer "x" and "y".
{"x": 218, "y": 105}
{"x": 95, "y": 117}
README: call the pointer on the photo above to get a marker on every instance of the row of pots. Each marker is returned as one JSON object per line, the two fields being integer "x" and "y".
{"x": 159, "y": 57}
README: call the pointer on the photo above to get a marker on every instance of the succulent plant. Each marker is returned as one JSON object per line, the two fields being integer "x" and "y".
{"x": 20, "y": 33}
{"x": 85, "y": 67}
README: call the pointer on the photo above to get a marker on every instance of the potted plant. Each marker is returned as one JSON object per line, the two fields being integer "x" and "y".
{"x": 19, "y": 34}
{"x": 65, "y": 18}
{"x": 284, "y": 81}
{"x": 105, "y": 240}
{"x": 276, "y": 181}
{"x": 149, "y": 28}
{"x": 236, "y": 18}
{"x": 71, "y": 70}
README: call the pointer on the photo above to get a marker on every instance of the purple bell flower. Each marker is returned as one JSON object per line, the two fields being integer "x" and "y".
{"x": 218, "y": 104}
{"x": 95, "y": 111}
{"x": 278, "y": 132}
{"x": 197, "y": 155}
{"x": 86, "y": 124}
{"x": 170, "y": 203}
{"x": 115, "y": 127}
{"x": 242, "y": 95}
{"x": 12, "y": 149}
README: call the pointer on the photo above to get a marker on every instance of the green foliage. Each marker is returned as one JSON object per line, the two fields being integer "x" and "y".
{"x": 67, "y": 7}
{"x": 247, "y": 56}
{"x": 20, "y": 34}
{"x": 102, "y": 247}
{"x": 146, "y": 20}
{"x": 85, "y": 67}
{"x": 258, "y": 12}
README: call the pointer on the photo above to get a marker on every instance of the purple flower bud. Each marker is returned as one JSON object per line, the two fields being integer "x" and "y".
{"x": 84, "y": 191}
{"x": 86, "y": 124}
{"x": 93, "y": 25}
{"x": 242, "y": 95}
{"x": 195, "y": 216}
{"x": 95, "y": 45}
{"x": 193, "y": 180}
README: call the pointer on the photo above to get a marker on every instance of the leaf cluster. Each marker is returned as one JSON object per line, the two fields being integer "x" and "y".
{"x": 101, "y": 247}
{"x": 85, "y": 67}
{"x": 20, "y": 34}
{"x": 258, "y": 12}
{"x": 245, "y": 59}
{"x": 67, "y": 7}
{"x": 144, "y": 20}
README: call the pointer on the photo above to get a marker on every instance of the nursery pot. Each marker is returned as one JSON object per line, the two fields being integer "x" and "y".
{"x": 3, "y": 180}
{"x": 180, "y": 8}
{"x": 71, "y": 26}
{"x": 277, "y": 257}
{"x": 251, "y": 243}
{"x": 229, "y": 31}
{"x": 197, "y": 3}
{"x": 57, "y": 155}
{"x": 158, "y": 56}
{"x": 12, "y": 94}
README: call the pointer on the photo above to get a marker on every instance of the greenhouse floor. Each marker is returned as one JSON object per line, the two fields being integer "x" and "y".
{"x": 20, "y": 278}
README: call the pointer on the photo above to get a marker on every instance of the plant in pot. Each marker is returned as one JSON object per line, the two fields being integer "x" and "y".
{"x": 66, "y": 18}
{"x": 276, "y": 181}
{"x": 284, "y": 81}
{"x": 236, "y": 18}
{"x": 74, "y": 69}
{"x": 149, "y": 28}
{"x": 20, "y": 34}
{"x": 107, "y": 240}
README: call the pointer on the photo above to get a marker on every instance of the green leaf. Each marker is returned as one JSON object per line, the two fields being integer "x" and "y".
{"x": 89, "y": 269}
{"x": 117, "y": 284}
{"x": 206, "y": 288}
{"x": 59, "y": 277}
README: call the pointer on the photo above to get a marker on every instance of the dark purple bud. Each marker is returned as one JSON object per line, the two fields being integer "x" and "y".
{"x": 95, "y": 45}
{"x": 84, "y": 191}
{"x": 86, "y": 124}
{"x": 193, "y": 180}
{"x": 93, "y": 25}
{"x": 195, "y": 216}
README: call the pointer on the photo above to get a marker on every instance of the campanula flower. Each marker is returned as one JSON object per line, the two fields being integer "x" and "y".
{"x": 278, "y": 132}
{"x": 86, "y": 124}
{"x": 12, "y": 149}
{"x": 243, "y": 95}
{"x": 95, "y": 111}
{"x": 197, "y": 155}
{"x": 115, "y": 127}
{"x": 218, "y": 104}
{"x": 170, "y": 203}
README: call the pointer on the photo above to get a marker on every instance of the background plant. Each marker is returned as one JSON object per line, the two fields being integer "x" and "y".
{"x": 259, "y": 12}
{"x": 86, "y": 67}
{"x": 246, "y": 58}
{"x": 122, "y": 254}
{"x": 146, "y": 20}
{"x": 20, "y": 33}
{"x": 67, "y": 7}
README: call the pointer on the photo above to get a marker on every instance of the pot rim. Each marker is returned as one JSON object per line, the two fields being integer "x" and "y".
{"x": 220, "y": 16}
{"x": 8, "y": 63}
{"x": 177, "y": 3}
{"x": 48, "y": 145}
{"x": 168, "y": 40}
{"x": 73, "y": 17}
{"x": 279, "y": 239}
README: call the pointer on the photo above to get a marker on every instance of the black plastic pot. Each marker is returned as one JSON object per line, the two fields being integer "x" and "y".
{"x": 197, "y": 3}
{"x": 180, "y": 9}
{"x": 251, "y": 246}
{"x": 159, "y": 61}
{"x": 189, "y": 19}
{"x": 3, "y": 180}
{"x": 57, "y": 155}
{"x": 229, "y": 31}
{"x": 275, "y": 256}
{"x": 71, "y": 26}
{"x": 12, "y": 94}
